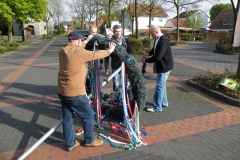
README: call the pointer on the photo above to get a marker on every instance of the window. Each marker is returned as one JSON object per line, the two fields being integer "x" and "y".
{"x": 160, "y": 19}
{"x": 45, "y": 27}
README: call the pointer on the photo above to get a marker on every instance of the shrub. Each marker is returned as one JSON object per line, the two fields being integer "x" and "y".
{"x": 199, "y": 38}
{"x": 47, "y": 36}
{"x": 211, "y": 81}
{"x": 148, "y": 46}
{"x": 227, "y": 48}
{"x": 186, "y": 37}
{"x": 175, "y": 43}
{"x": 170, "y": 35}
{"x": 136, "y": 44}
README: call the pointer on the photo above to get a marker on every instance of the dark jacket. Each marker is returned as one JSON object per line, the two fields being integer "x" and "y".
{"x": 163, "y": 55}
{"x": 116, "y": 62}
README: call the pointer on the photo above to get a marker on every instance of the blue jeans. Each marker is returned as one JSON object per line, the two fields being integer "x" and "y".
{"x": 116, "y": 79}
{"x": 160, "y": 95}
{"x": 106, "y": 62}
{"x": 79, "y": 105}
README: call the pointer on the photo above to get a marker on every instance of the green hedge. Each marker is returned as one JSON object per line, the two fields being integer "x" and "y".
{"x": 186, "y": 37}
{"x": 137, "y": 44}
{"x": 47, "y": 36}
{"x": 8, "y": 46}
{"x": 199, "y": 38}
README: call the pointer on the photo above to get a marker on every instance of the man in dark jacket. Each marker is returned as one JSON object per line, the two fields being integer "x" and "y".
{"x": 116, "y": 62}
{"x": 161, "y": 56}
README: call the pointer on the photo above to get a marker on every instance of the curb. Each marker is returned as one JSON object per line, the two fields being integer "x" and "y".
{"x": 217, "y": 95}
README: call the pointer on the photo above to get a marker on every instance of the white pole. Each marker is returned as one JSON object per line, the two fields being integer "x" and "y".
{"x": 195, "y": 27}
{"x": 24, "y": 155}
{"x": 111, "y": 76}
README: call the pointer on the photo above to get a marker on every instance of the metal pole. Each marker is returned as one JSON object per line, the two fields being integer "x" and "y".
{"x": 111, "y": 76}
{"x": 195, "y": 27}
{"x": 123, "y": 11}
{"x": 24, "y": 155}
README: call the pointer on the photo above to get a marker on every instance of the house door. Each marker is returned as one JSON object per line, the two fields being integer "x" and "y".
{"x": 31, "y": 26}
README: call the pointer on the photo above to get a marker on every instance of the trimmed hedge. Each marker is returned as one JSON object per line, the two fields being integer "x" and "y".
{"x": 47, "y": 36}
{"x": 199, "y": 38}
{"x": 186, "y": 37}
{"x": 137, "y": 44}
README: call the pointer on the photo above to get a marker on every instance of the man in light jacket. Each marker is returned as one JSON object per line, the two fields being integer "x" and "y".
{"x": 73, "y": 62}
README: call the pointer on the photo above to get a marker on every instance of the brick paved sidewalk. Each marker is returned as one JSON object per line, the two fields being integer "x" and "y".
{"x": 194, "y": 126}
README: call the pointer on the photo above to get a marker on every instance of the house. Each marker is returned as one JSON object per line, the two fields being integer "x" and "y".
{"x": 224, "y": 22}
{"x": 172, "y": 23}
{"x": 159, "y": 17}
{"x": 39, "y": 28}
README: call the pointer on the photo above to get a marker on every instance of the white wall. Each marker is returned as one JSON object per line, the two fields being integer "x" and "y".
{"x": 143, "y": 22}
{"x": 220, "y": 30}
{"x": 39, "y": 27}
{"x": 169, "y": 24}
{"x": 205, "y": 21}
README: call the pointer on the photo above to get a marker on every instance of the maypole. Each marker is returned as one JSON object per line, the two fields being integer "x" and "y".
{"x": 129, "y": 129}
{"x": 96, "y": 90}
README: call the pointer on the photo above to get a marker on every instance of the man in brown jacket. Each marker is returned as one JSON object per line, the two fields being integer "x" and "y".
{"x": 73, "y": 62}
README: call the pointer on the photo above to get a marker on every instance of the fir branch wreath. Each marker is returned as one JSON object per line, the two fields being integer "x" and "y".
{"x": 138, "y": 91}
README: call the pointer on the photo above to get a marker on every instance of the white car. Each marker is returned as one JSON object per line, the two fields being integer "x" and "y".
{"x": 127, "y": 32}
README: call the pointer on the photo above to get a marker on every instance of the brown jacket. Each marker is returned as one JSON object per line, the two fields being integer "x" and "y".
{"x": 73, "y": 62}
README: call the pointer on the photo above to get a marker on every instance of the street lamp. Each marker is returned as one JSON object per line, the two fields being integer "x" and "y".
{"x": 123, "y": 9}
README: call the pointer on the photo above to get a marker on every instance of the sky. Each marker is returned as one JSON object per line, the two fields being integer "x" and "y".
{"x": 205, "y": 7}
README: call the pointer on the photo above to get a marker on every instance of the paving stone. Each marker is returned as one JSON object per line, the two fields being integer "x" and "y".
{"x": 23, "y": 124}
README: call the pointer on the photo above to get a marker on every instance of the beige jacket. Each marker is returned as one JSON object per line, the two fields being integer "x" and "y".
{"x": 73, "y": 62}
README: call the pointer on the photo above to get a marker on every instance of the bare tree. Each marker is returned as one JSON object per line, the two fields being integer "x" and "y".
{"x": 46, "y": 19}
{"x": 179, "y": 4}
{"x": 134, "y": 11}
{"x": 108, "y": 5}
{"x": 151, "y": 8}
{"x": 57, "y": 8}
{"x": 80, "y": 9}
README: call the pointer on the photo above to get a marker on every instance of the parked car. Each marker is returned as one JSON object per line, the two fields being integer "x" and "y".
{"x": 127, "y": 32}
{"x": 84, "y": 34}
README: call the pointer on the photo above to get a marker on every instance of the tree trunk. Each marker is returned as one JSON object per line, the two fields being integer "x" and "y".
{"x": 47, "y": 27}
{"x": 235, "y": 13}
{"x": 177, "y": 38}
{"x": 23, "y": 38}
{"x": 109, "y": 14}
{"x": 136, "y": 20}
{"x": 10, "y": 32}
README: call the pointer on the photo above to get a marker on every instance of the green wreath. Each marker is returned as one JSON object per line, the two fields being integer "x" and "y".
{"x": 138, "y": 90}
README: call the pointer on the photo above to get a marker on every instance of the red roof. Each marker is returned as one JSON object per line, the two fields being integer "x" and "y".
{"x": 181, "y": 22}
{"x": 224, "y": 20}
